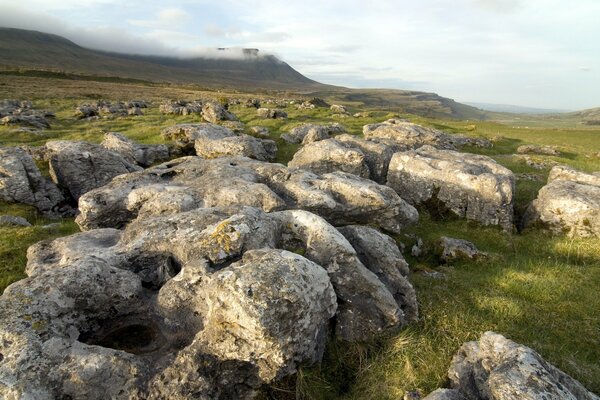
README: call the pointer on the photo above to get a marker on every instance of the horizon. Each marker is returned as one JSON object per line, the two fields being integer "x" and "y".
{"x": 473, "y": 51}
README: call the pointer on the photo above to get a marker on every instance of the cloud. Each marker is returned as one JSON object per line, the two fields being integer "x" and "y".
{"x": 165, "y": 18}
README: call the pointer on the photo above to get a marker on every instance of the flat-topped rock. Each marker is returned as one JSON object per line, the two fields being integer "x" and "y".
{"x": 181, "y": 107}
{"x": 569, "y": 203}
{"x": 143, "y": 155}
{"x": 308, "y": 133}
{"x": 185, "y": 135}
{"x": 271, "y": 113}
{"x": 215, "y": 112}
{"x": 497, "y": 368}
{"x": 242, "y": 145}
{"x": 192, "y": 182}
{"x": 534, "y": 149}
{"x": 330, "y": 155}
{"x": 469, "y": 185}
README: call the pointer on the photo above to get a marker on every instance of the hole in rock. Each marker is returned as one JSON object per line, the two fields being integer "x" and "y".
{"x": 135, "y": 337}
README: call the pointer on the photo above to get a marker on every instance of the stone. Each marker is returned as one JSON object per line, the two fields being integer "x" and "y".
{"x": 308, "y": 133}
{"x": 22, "y": 182}
{"x": 143, "y": 155}
{"x": 495, "y": 367}
{"x": 471, "y": 186}
{"x": 259, "y": 131}
{"x": 380, "y": 254}
{"x": 252, "y": 103}
{"x": 215, "y": 112}
{"x": 534, "y": 149}
{"x": 192, "y": 182}
{"x": 235, "y": 126}
{"x": 268, "y": 113}
{"x": 12, "y": 220}
{"x": 79, "y": 167}
{"x": 418, "y": 248}
{"x": 243, "y": 145}
{"x": 185, "y": 135}
{"x": 451, "y": 249}
{"x": 181, "y": 107}
{"x": 329, "y": 156}
{"x": 338, "y": 109}
{"x": 569, "y": 203}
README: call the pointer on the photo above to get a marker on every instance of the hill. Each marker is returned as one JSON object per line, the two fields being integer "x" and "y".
{"x": 509, "y": 108}
{"x": 25, "y": 51}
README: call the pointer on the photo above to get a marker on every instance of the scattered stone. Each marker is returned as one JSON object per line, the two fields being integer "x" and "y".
{"x": 143, "y": 155}
{"x": 534, "y": 149}
{"x": 569, "y": 203}
{"x": 268, "y": 113}
{"x": 192, "y": 182}
{"x": 377, "y": 155}
{"x": 12, "y": 220}
{"x": 252, "y": 103}
{"x": 185, "y": 135}
{"x": 243, "y": 145}
{"x": 418, "y": 248}
{"x": 106, "y": 108}
{"x": 329, "y": 156}
{"x": 450, "y": 249}
{"x": 79, "y": 167}
{"x": 15, "y": 112}
{"x": 497, "y": 368}
{"x": 362, "y": 114}
{"x": 260, "y": 131}
{"x": 471, "y": 186}
{"x": 215, "y": 112}
{"x": 22, "y": 182}
{"x": 181, "y": 107}
{"x": 235, "y": 126}
{"x": 536, "y": 162}
{"x": 338, "y": 109}
{"x": 308, "y": 133}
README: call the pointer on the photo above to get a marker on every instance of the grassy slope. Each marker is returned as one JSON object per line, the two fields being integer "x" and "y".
{"x": 537, "y": 289}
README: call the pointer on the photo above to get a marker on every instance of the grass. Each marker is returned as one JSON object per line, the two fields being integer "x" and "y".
{"x": 537, "y": 289}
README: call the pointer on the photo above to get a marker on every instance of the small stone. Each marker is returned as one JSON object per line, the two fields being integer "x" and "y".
{"x": 11, "y": 220}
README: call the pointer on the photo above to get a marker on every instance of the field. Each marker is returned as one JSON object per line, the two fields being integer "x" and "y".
{"x": 535, "y": 288}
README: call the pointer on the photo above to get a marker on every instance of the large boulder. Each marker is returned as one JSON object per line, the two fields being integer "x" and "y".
{"x": 22, "y": 182}
{"x": 192, "y": 182}
{"x": 185, "y": 135}
{"x": 243, "y": 145}
{"x": 215, "y": 112}
{"x": 308, "y": 133}
{"x": 328, "y": 156}
{"x": 496, "y": 368}
{"x": 377, "y": 154}
{"x": 79, "y": 167}
{"x": 143, "y": 155}
{"x": 469, "y": 185}
{"x": 569, "y": 203}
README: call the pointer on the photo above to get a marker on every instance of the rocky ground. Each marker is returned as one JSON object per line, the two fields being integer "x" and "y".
{"x": 312, "y": 250}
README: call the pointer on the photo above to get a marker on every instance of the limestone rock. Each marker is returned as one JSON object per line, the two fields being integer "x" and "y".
{"x": 143, "y": 155}
{"x": 500, "y": 369}
{"x": 268, "y": 113}
{"x": 450, "y": 249}
{"x": 471, "y": 186}
{"x": 308, "y": 133}
{"x": 445, "y": 394}
{"x": 192, "y": 182}
{"x": 11, "y": 220}
{"x": 243, "y": 145}
{"x": 215, "y": 112}
{"x": 22, "y": 182}
{"x": 79, "y": 167}
{"x": 338, "y": 109}
{"x": 260, "y": 131}
{"x": 181, "y": 107}
{"x": 569, "y": 203}
{"x": 328, "y": 156}
{"x": 185, "y": 135}
{"x": 534, "y": 149}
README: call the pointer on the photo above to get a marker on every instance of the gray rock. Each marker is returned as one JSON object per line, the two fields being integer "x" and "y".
{"x": 308, "y": 133}
{"x": 418, "y": 248}
{"x": 380, "y": 254}
{"x": 235, "y": 126}
{"x": 500, "y": 369}
{"x": 260, "y": 131}
{"x": 445, "y": 394}
{"x": 377, "y": 154}
{"x": 192, "y": 182}
{"x": 329, "y": 156}
{"x": 268, "y": 113}
{"x": 11, "y": 220}
{"x": 338, "y": 109}
{"x": 215, "y": 112}
{"x": 140, "y": 154}
{"x": 450, "y": 249}
{"x": 243, "y": 145}
{"x": 79, "y": 167}
{"x": 471, "y": 186}
{"x": 22, "y": 182}
{"x": 569, "y": 203}
{"x": 534, "y": 149}
{"x": 185, "y": 135}
{"x": 181, "y": 107}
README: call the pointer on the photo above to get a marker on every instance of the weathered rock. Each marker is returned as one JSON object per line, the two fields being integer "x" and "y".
{"x": 235, "y": 126}
{"x": 244, "y": 145}
{"x": 534, "y": 149}
{"x": 450, "y": 249}
{"x": 329, "y": 156}
{"x": 380, "y": 254}
{"x": 12, "y": 220}
{"x": 181, "y": 107}
{"x": 106, "y": 108}
{"x": 338, "y": 109}
{"x": 308, "y": 133}
{"x": 500, "y": 369}
{"x": 140, "y": 154}
{"x": 79, "y": 167}
{"x": 260, "y": 131}
{"x": 269, "y": 113}
{"x": 569, "y": 203}
{"x": 191, "y": 182}
{"x": 252, "y": 103}
{"x": 22, "y": 182}
{"x": 215, "y": 112}
{"x": 185, "y": 135}
{"x": 471, "y": 186}
{"x": 445, "y": 394}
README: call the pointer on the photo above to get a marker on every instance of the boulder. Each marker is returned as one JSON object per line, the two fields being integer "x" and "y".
{"x": 12, "y": 220}
{"x": 569, "y": 203}
{"x": 450, "y": 249}
{"x": 377, "y": 155}
{"x": 469, "y": 185}
{"x": 79, "y": 167}
{"x": 338, "y": 109}
{"x": 143, "y": 155}
{"x": 534, "y": 149}
{"x": 268, "y": 113}
{"x": 328, "y": 156}
{"x": 192, "y": 182}
{"x": 22, "y": 182}
{"x": 259, "y": 131}
{"x": 185, "y": 135}
{"x": 308, "y": 133}
{"x": 243, "y": 145}
{"x": 252, "y": 103}
{"x": 181, "y": 107}
{"x": 497, "y": 368}
{"x": 215, "y": 112}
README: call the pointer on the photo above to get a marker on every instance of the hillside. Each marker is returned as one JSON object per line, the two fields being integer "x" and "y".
{"x": 31, "y": 51}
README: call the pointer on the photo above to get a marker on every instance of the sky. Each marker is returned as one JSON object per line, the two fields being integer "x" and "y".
{"x": 537, "y": 53}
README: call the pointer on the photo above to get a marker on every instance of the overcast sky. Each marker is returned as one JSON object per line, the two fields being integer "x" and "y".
{"x": 539, "y": 53}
